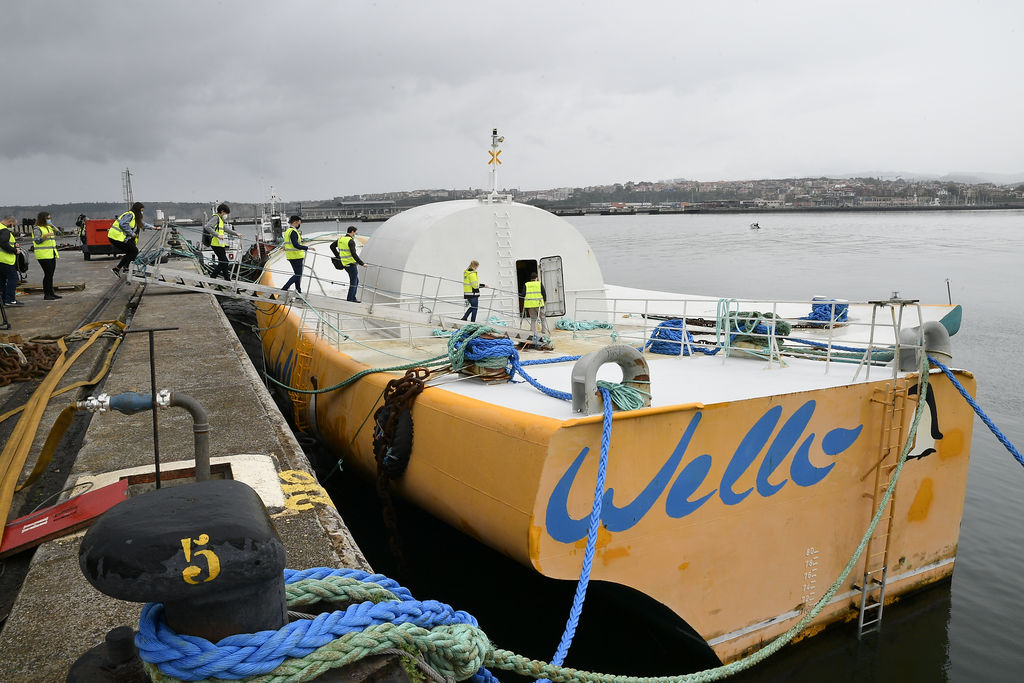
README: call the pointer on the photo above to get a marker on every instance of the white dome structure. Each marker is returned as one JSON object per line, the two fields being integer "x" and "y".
{"x": 511, "y": 241}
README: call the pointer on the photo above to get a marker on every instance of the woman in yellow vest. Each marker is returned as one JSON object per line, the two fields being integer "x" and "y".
{"x": 123, "y": 233}
{"x": 295, "y": 252}
{"x": 471, "y": 290}
{"x": 217, "y": 230}
{"x": 44, "y": 244}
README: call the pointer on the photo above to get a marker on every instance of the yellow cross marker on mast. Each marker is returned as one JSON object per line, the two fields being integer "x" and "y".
{"x": 494, "y": 157}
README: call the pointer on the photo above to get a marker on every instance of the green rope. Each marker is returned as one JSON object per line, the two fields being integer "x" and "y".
{"x": 335, "y": 589}
{"x": 436, "y": 361}
{"x": 624, "y": 397}
{"x": 570, "y": 324}
{"x": 457, "y": 350}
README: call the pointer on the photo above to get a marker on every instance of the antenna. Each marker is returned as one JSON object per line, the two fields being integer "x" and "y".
{"x": 126, "y": 186}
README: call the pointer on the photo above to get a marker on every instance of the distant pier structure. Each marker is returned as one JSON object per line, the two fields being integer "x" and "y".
{"x": 379, "y": 210}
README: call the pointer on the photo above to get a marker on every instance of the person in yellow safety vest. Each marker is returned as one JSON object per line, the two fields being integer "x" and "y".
{"x": 9, "y": 251}
{"x": 471, "y": 290}
{"x": 217, "y": 230}
{"x": 532, "y": 296}
{"x": 123, "y": 233}
{"x": 295, "y": 252}
{"x": 345, "y": 251}
{"x": 44, "y": 244}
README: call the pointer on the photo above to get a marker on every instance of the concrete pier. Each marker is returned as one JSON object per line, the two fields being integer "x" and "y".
{"x": 57, "y": 615}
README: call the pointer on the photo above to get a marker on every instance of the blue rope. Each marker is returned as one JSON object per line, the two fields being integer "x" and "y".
{"x": 545, "y": 361}
{"x": 827, "y": 311}
{"x": 667, "y": 339}
{"x": 192, "y": 658}
{"x": 837, "y": 347}
{"x": 977, "y": 409}
{"x": 516, "y": 366}
{"x": 595, "y": 521}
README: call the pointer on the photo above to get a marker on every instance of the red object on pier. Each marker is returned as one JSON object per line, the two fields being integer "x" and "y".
{"x": 95, "y": 241}
{"x": 64, "y": 518}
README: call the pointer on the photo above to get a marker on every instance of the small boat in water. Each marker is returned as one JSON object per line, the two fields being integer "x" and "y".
{"x": 765, "y": 439}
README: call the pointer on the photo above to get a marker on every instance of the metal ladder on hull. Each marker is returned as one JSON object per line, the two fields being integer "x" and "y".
{"x": 505, "y": 298}
{"x": 894, "y": 400}
{"x": 300, "y": 380}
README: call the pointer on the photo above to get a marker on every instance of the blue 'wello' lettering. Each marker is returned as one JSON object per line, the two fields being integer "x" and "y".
{"x": 688, "y": 492}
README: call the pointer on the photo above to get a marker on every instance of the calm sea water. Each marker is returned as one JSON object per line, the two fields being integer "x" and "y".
{"x": 967, "y": 630}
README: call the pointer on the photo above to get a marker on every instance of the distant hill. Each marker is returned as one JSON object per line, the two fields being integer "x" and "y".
{"x": 968, "y": 177}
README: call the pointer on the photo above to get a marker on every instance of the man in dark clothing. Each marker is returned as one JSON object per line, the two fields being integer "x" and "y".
{"x": 295, "y": 252}
{"x": 345, "y": 251}
{"x": 9, "y": 251}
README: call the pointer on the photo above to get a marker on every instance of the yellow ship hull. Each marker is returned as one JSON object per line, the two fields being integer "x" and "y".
{"x": 738, "y": 516}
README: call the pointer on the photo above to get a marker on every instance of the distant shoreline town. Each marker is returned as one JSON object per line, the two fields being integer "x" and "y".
{"x": 670, "y": 197}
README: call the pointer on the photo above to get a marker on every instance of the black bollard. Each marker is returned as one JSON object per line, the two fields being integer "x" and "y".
{"x": 115, "y": 660}
{"x": 208, "y": 551}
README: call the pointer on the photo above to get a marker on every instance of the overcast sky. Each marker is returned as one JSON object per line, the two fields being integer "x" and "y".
{"x": 210, "y": 101}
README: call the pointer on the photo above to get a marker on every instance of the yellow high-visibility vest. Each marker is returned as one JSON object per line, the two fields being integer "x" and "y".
{"x": 219, "y": 236}
{"x": 470, "y": 281}
{"x": 534, "y": 298}
{"x": 46, "y": 247}
{"x": 114, "y": 232}
{"x": 12, "y": 258}
{"x": 344, "y": 253}
{"x": 290, "y": 252}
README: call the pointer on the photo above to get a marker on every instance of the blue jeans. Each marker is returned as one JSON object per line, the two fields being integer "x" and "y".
{"x": 295, "y": 279}
{"x": 8, "y": 281}
{"x": 353, "y": 280}
{"x": 474, "y": 305}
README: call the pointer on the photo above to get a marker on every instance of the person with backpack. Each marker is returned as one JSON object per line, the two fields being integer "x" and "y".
{"x": 124, "y": 234}
{"x": 215, "y": 234}
{"x": 345, "y": 251}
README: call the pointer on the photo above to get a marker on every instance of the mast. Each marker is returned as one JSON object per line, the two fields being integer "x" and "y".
{"x": 495, "y": 161}
{"x": 126, "y": 187}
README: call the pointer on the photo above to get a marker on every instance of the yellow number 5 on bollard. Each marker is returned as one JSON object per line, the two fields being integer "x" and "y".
{"x": 190, "y": 572}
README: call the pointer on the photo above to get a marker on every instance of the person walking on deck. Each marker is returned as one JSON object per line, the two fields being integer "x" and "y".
{"x": 9, "y": 251}
{"x": 44, "y": 244}
{"x": 295, "y": 252}
{"x": 217, "y": 230}
{"x": 532, "y": 295}
{"x": 471, "y": 290}
{"x": 345, "y": 250}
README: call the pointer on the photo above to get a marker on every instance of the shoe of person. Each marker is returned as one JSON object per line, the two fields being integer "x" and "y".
{"x": 116, "y": 272}
{"x": 50, "y": 297}
{"x": 14, "y": 303}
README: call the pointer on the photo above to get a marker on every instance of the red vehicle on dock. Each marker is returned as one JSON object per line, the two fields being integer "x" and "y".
{"x": 94, "y": 238}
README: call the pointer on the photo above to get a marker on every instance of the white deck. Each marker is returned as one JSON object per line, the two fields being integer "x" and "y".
{"x": 390, "y": 328}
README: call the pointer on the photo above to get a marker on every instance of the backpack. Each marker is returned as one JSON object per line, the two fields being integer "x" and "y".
{"x": 207, "y": 239}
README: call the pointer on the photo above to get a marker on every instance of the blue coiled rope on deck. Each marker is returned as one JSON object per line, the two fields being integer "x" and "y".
{"x": 826, "y": 311}
{"x": 667, "y": 339}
